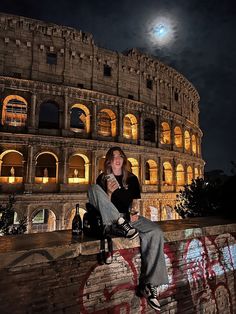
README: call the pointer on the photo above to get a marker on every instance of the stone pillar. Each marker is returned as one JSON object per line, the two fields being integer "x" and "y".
{"x": 141, "y": 129}
{"x": 94, "y": 121}
{"x": 64, "y": 166}
{"x": 66, "y": 113}
{"x": 158, "y": 131}
{"x": 160, "y": 174}
{"x": 32, "y": 119}
{"x": 93, "y": 172}
{"x": 29, "y": 170}
{"x": 172, "y": 134}
{"x": 120, "y": 122}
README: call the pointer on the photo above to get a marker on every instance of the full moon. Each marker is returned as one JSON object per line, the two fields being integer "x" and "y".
{"x": 161, "y": 31}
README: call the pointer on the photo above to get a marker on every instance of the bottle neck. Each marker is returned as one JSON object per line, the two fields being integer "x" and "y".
{"x": 77, "y": 210}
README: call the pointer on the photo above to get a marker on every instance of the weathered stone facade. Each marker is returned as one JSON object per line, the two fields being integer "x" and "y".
{"x": 65, "y": 101}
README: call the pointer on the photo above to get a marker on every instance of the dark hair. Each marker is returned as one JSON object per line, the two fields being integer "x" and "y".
{"x": 107, "y": 163}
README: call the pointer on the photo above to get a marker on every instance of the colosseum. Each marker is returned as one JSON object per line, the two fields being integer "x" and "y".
{"x": 65, "y": 101}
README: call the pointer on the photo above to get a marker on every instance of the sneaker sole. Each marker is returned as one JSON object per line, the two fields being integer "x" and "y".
{"x": 133, "y": 236}
{"x": 142, "y": 294}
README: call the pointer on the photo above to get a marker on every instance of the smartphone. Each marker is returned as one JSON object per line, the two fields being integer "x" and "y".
{"x": 111, "y": 177}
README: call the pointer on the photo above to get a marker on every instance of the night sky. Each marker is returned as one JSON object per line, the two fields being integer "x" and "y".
{"x": 195, "y": 37}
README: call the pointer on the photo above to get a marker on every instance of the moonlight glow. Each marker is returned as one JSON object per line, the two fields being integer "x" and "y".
{"x": 161, "y": 31}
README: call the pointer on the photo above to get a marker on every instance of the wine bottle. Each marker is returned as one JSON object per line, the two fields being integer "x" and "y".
{"x": 77, "y": 222}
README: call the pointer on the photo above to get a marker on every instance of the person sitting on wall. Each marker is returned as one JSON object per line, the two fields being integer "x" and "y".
{"x": 116, "y": 200}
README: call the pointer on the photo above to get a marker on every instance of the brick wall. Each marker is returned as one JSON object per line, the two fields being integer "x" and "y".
{"x": 51, "y": 273}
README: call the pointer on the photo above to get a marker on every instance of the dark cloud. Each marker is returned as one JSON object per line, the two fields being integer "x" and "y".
{"x": 203, "y": 50}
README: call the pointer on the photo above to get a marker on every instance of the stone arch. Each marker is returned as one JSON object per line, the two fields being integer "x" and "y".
{"x": 130, "y": 127}
{"x": 106, "y": 123}
{"x": 196, "y": 173}
{"x": 189, "y": 175}
{"x": 150, "y": 172}
{"x": 80, "y": 118}
{"x": 46, "y": 168}
{"x": 78, "y": 169}
{"x": 133, "y": 166}
{"x": 165, "y": 133}
{"x": 178, "y": 137}
{"x": 187, "y": 141}
{"x": 49, "y": 115}
{"x": 42, "y": 220}
{"x": 149, "y": 130}
{"x": 11, "y": 166}
{"x": 167, "y": 173}
{"x": 180, "y": 175}
{"x": 167, "y": 212}
{"x": 194, "y": 144}
{"x": 14, "y": 111}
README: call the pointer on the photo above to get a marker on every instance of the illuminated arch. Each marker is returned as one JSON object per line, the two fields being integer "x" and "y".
{"x": 167, "y": 213}
{"x": 167, "y": 173}
{"x": 150, "y": 172}
{"x": 133, "y": 166}
{"x": 11, "y": 167}
{"x": 130, "y": 128}
{"x": 194, "y": 144}
{"x": 46, "y": 168}
{"x": 196, "y": 173}
{"x": 14, "y": 111}
{"x": 180, "y": 175}
{"x": 189, "y": 175}
{"x": 178, "y": 137}
{"x": 106, "y": 123}
{"x": 78, "y": 169}
{"x": 187, "y": 141}
{"x": 149, "y": 130}
{"x": 80, "y": 118}
{"x": 165, "y": 133}
{"x": 42, "y": 220}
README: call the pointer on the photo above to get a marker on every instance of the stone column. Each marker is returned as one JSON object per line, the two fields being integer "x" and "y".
{"x": 94, "y": 121}
{"x": 141, "y": 130}
{"x": 66, "y": 126}
{"x": 160, "y": 174}
{"x": 32, "y": 119}
{"x": 120, "y": 122}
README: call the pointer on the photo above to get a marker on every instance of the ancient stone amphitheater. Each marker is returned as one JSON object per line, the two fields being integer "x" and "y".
{"x": 65, "y": 101}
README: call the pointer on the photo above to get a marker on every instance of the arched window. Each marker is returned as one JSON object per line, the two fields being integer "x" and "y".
{"x": 180, "y": 175}
{"x": 187, "y": 141}
{"x": 178, "y": 137}
{"x": 101, "y": 164}
{"x": 106, "y": 123}
{"x": 196, "y": 173}
{"x": 149, "y": 130}
{"x": 49, "y": 115}
{"x": 130, "y": 129}
{"x": 194, "y": 144}
{"x": 189, "y": 175}
{"x": 133, "y": 166}
{"x": 14, "y": 111}
{"x": 78, "y": 169}
{"x": 43, "y": 220}
{"x": 79, "y": 118}
{"x": 167, "y": 173}
{"x": 165, "y": 133}
{"x": 46, "y": 168}
{"x": 11, "y": 163}
{"x": 150, "y": 172}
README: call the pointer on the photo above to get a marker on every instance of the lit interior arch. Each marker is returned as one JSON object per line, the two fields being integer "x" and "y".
{"x": 180, "y": 175}
{"x": 11, "y": 167}
{"x": 78, "y": 169}
{"x": 189, "y": 175}
{"x": 106, "y": 123}
{"x": 196, "y": 173}
{"x": 130, "y": 128}
{"x": 178, "y": 137}
{"x": 133, "y": 166}
{"x": 165, "y": 133}
{"x": 167, "y": 173}
{"x": 194, "y": 144}
{"x": 80, "y": 118}
{"x": 150, "y": 172}
{"x": 187, "y": 141}
{"x": 46, "y": 168}
{"x": 14, "y": 111}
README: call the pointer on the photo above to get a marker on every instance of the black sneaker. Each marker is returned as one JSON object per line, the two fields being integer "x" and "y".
{"x": 150, "y": 293}
{"x": 130, "y": 232}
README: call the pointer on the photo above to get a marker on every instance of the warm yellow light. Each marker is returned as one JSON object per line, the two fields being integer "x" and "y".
{"x": 45, "y": 179}
{"x": 11, "y": 179}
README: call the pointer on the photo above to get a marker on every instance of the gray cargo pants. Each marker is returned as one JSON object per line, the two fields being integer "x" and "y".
{"x": 153, "y": 266}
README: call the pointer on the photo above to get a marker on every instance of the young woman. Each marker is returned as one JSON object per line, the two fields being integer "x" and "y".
{"x": 115, "y": 196}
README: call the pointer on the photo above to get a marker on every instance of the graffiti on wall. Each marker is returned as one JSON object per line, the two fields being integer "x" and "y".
{"x": 204, "y": 265}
